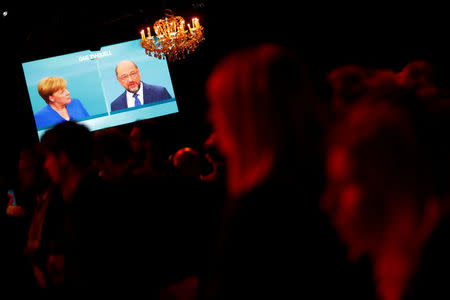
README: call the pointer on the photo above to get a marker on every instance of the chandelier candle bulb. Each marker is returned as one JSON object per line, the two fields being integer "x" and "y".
{"x": 182, "y": 25}
{"x": 149, "y": 33}
{"x": 195, "y": 23}
{"x": 143, "y": 34}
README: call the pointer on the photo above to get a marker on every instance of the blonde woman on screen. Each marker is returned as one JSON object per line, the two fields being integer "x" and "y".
{"x": 60, "y": 106}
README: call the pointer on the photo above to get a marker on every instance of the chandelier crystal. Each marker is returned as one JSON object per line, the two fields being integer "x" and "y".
{"x": 172, "y": 40}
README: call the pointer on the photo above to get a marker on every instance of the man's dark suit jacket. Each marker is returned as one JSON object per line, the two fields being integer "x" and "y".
{"x": 152, "y": 93}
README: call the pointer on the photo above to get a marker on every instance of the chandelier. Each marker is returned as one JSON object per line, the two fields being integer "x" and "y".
{"x": 172, "y": 40}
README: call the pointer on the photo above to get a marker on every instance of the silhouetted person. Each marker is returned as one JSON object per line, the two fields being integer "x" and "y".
{"x": 381, "y": 199}
{"x": 32, "y": 178}
{"x": 151, "y": 148}
{"x": 163, "y": 236}
{"x": 90, "y": 212}
{"x": 40, "y": 198}
{"x": 187, "y": 162}
{"x": 113, "y": 154}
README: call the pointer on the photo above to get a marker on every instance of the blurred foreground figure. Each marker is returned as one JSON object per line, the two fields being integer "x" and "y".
{"x": 349, "y": 84}
{"x": 274, "y": 241}
{"x": 419, "y": 77}
{"x": 262, "y": 106}
{"x": 382, "y": 202}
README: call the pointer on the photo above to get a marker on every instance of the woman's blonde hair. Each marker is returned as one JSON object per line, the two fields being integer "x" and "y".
{"x": 48, "y": 85}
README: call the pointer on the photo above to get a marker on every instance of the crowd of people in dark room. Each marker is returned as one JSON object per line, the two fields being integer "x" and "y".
{"x": 304, "y": 197}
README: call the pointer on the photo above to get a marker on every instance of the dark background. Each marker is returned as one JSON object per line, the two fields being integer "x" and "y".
{"x": 372, "y": 35}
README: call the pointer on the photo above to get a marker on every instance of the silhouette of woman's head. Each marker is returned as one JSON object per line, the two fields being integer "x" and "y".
{"x": 260, "y": 102}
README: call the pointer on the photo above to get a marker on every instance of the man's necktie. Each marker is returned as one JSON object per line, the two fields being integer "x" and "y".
{"x": 136, "y": 100}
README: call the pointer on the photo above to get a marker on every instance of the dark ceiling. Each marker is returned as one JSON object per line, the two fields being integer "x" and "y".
{"x": 325, "y": 36}
{"x": 378, "y": 36}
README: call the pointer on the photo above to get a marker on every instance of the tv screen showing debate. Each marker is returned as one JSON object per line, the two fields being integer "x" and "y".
{"x": 117, "y": 85}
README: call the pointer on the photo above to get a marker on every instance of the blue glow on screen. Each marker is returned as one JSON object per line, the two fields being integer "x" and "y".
{"x": 91, "y": 78}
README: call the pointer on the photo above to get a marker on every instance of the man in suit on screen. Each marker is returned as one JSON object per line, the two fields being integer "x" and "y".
{"x": 136, "y": 92}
